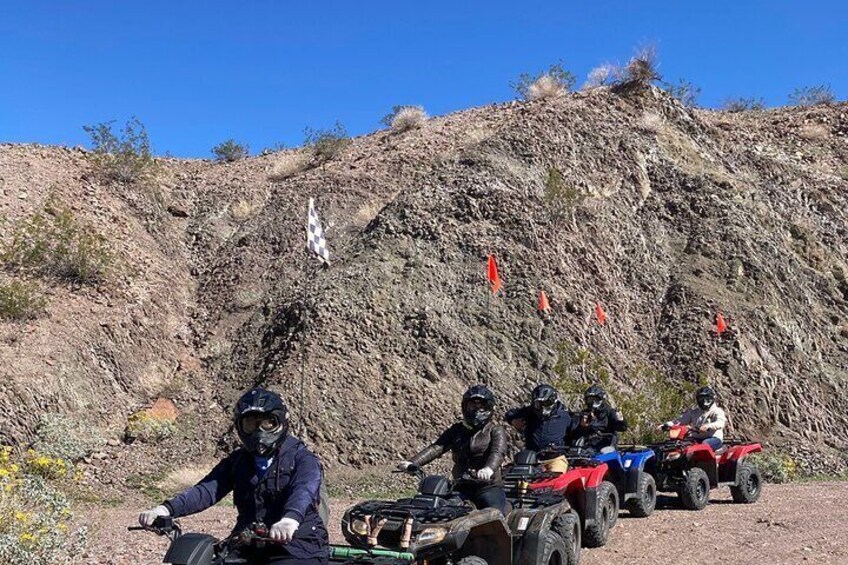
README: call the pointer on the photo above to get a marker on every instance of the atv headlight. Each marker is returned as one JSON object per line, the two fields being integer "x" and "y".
{"x": 673, "y": 455}
{"x": 359, "y": 527}
{"x": 431, "y": 535}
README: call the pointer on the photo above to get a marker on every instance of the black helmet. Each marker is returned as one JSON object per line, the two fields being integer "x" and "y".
{"x": 705, "y": 397}
{"x": 544, "y": 399}
{"x": 594, "y": 397}
{"x": 478, "y": 402}
{"x": 262, "y": 421}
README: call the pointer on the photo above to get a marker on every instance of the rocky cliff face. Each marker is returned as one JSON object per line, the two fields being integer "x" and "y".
{"x": 662, "y": 214}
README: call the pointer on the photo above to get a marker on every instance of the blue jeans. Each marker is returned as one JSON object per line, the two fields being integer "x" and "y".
{"x": 713, "y": 442}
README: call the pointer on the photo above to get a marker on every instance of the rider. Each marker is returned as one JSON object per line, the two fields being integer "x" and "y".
{"x": 545, "y": 422}
{"x": 598, "y": 417}
{"x": 274, "y": 479}
{"x": 707, "y": 420}
{"x": 478, "y": 446}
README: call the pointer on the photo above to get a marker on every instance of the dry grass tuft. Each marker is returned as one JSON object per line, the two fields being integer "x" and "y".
{"x": 407, "y": 118}
{"x": 289, "y": 164}
{"x": 545, "y": 87}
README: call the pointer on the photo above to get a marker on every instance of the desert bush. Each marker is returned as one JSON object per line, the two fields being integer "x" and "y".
{"x": 812, "y": 96}
{"x": 54, "y": 243}
{"x": 124, "y": 156}
{"x": 555, "y": 81}
{"x": 327, "y": 144}
{"x": 684, "y": 91}
{"x": 60, "y": 436}
{"x": 607, "y": 74}
{"x": 20, "y": 301}
{"x": 649, "y": 400}
{"x": 153, "y": 424}
{"x": 36, "y": 523}
{"x": 742, "y": 104}
{"x": 775, "y": 467}
{"x": 230, "y": 151}
{"x": 405, "y": 118}
{"x": 642, "y": 67}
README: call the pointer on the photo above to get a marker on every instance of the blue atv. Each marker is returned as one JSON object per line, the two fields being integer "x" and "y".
{"x": 628, "y": 470}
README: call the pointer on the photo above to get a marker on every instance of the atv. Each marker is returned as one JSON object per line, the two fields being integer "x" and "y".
{"x": 628, "y": 469}
{"x": 203, "y": 549}
{"x": 691, "y": 468}
{"x": 545, "y": 528}
{"x": 434, "y": 526}
{"x": 594, "y": 499}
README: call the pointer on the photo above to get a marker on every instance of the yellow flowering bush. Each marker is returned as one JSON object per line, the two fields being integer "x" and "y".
{"x": 35, "y": 517}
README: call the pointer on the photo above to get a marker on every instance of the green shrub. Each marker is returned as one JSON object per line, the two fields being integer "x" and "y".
{"x": 20, "y": 301}
{"x": 560, "y": 78}
{"x": 124, "y": 156}
{"x": 54, "y": 243}
{"x": 149, "y": 428}
{"x": 36, "y": 523}
{"x": 62, "y": 437}
{"x": 649, "y": 400}
{"x": 812, "y": 96}
{"x": 230, "y": 151}
{"x": 742, "y": 104}
{"x": 775, "y": 467}
{"x": 327, "y": 144}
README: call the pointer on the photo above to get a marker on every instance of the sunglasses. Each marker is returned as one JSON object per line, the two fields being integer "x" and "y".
{"x": 253, "y": 422}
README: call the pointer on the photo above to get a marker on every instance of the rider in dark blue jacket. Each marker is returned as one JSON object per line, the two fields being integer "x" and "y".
{"x": 545, "y": 422}
{"x": 274, "y": 479}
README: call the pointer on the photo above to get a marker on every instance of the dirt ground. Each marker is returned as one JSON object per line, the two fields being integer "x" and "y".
{"x": 801, "y": 523}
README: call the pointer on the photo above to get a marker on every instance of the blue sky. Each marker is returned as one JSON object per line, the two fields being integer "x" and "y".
{"x": 197, "y": 73}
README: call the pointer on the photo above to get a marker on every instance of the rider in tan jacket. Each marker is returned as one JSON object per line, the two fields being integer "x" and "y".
{"x": 706, "y": 419}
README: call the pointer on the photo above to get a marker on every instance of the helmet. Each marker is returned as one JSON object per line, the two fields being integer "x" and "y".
{"x": 594, "y": 397}
{"x": 544, "y": 399}
{"x": 477, "y": 405}
{"x": 705, "y": 397}
{"x": 262, "y": 421}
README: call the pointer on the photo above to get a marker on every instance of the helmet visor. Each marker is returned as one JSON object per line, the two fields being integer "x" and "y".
{"x": 593, "y": 401}
{"x": 544, "y": 404}
{"x": 254, "y": 421}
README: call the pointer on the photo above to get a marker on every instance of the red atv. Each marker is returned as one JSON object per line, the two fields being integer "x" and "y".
{"x": 582, "y": 485}
{"x": 691, "y": 469}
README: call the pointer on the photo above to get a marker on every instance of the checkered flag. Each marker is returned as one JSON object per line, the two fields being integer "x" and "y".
{"x": 315, "y": 241}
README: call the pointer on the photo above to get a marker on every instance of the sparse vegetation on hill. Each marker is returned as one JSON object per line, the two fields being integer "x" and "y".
{"x": 124, "y": 156}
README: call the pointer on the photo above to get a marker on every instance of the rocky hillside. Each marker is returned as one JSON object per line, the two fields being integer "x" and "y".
{"x": 663, "y": 214}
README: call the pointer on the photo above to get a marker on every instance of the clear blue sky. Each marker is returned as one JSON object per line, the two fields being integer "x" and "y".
{"x": 197, "y": 73}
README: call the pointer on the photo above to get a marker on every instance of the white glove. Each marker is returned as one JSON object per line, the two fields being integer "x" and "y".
{"x": 284, "y": 530}
{"x": 404, "y": 465}
{"x": 147, "y": 517}
{"x": 485, "y": 474}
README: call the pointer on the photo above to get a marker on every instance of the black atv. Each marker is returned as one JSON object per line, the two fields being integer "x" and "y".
{"x": 435, "y": 525}
{"x": 203, "y": 549}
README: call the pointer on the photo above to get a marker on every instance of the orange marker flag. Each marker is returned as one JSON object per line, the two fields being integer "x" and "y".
{"x": 494, "y": 277}
{"x": 544, "y": 305}
{"x": 599, "y": 312}
{"x": 721, "y": 326}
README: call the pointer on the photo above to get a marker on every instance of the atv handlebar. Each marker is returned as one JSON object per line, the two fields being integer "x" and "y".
{"x": 161, "y": 526}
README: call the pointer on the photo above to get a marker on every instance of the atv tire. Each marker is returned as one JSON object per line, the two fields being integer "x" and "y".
{"x": 646, "y": 497}
{"x": 695, "y": 491}
{"x": 568, "y": 528}
{"x": 554, "y": 550}
{"x": 472, "y": 560}
{"x": 606, "y": 513}
{"x": 749, "y": 485}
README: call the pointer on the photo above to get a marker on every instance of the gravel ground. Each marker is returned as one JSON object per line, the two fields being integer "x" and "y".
{"x": 801, "y": 523}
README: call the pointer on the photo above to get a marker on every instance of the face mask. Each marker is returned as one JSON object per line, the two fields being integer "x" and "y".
{"x": 705, "y": 403}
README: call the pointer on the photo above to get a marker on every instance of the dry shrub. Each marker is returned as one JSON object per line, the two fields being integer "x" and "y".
{"x": 244, "y": 209}
{"x": 407, "y": 118}
{"x": 642, "y": 67}
{"x": 20, "y": 301}
{"x": 817, "y": 95}
{"x": 327, "y": 144}
{"x": 289, "y": 164}
{"x": 607, "y": 74}
{"x": 124, "y": 156}
{"x": 650, "y": 122}
{"x": 559, "y": 81}
{"x": 742, "y": 104}
{"x": 545, "y": 87}
{"x": 230, "y": 151}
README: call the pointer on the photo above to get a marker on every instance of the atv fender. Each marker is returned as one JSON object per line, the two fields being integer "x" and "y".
{"x": 701, "y": 455}
{"x": 638, "y": 462}
{"x": 531, "y": 543}
{"x": 730, "y": 461}
{"x": 191, "y": 549}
